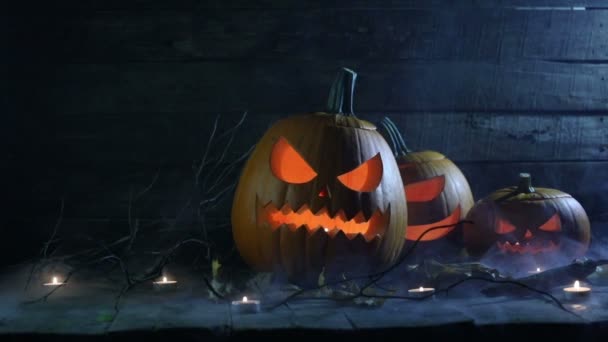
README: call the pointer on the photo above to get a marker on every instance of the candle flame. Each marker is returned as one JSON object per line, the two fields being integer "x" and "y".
{"x": 245, "y": 299}
{"x": 421, "y": 289}
{"x": 164, "y": 279}
{"x": 54, "y": 280}
{"x": 538, "y": 269}
{"x": 577, "y": 284}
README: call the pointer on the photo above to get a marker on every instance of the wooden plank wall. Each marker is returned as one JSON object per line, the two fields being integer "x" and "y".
{"x": 103, "y": 95}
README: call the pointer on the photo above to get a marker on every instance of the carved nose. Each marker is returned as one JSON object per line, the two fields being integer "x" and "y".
{"x": 528, "y": 235}
{"x": 325, "y": 192}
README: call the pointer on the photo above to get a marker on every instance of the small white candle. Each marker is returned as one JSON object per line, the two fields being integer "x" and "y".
{"x": 421, "y": 292}
{"x": 54, "y": 282}
{"x": 537, "y": 270}
{"x": 165, "y": 284}
{"x": 246, "y": 305}
{"x": 577, "y": 291}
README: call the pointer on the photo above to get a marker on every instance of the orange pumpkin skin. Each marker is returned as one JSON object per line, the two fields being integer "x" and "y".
{"x": 542, "y": 224}
{"x": 282, "y": 220}
{"x": 437, "y": 191}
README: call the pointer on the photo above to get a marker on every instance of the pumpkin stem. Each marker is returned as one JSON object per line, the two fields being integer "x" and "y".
{"x": 341, "y": 93}
{"x": 525, "y": 183}
{"x": 395, "y": 137}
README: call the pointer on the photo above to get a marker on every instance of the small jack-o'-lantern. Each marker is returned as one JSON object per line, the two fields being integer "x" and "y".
{"x": 437, "y": 192}
{"x": 321, "y": 191}
{"x": 522, "y": 221}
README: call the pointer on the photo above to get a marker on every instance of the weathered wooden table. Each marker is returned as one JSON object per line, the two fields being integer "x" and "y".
{"x": 85, "y": 308}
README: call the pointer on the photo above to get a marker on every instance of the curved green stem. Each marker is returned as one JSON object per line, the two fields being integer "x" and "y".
{"x": 395, "y": 138}
{"x": 341, "y": 93}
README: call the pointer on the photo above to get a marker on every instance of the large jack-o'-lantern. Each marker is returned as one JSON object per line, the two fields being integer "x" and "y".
{"x": 438, "y": 194}
{"x": 321, "y": 191}
{"x": 541, "y": 224}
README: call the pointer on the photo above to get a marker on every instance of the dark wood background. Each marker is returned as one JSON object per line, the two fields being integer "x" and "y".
{"x": 101, "y": 96}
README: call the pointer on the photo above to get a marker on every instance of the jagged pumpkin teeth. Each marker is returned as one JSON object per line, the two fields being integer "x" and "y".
{"x": 304, "y": 210}
{"x": 352, "y": 236}
{"x": 305, "y": 218}
{"x": 527, "y": 248}
{"x": 333, "y": 232}
{"x": 340, "y": 215}
{"x": 321, "y": 212}
{"x": 286, "y": 209}
{"x": 359, "y": 218}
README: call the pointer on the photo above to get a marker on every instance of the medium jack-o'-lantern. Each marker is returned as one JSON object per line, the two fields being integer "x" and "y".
{"x": 523, "y": 221}
{"x": 437, "y": 192}
{"x": 320, "y": 192}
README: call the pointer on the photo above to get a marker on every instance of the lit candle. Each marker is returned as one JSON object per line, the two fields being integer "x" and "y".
{"x": 54, "y": 282}
{"x": 537, "y": 270}
{"x": 246, "y": 305}
{"x": 165, "y": 284}
{"x": 577, "y": 291}
{"x": 421, "y": 292}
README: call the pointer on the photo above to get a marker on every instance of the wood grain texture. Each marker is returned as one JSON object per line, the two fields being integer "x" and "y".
{"x": 299, "y": 4}
{"x": 105, "y": 194}
{"x": 102, "y": 94}
{"x": 428, "y": 33}
{"x": 296, "y": 87}
{"x": 158, "y": 139}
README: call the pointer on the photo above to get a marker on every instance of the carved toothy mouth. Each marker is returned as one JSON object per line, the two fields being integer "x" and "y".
{"x": 322, "y": 219}
{"x": 527, "y": 248}
{"x": 415, "y": 231}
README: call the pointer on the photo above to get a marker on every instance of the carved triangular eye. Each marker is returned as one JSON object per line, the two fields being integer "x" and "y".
{"x": 553, "y": 224}
{"x": 425, "y": 190}
{"x": 504, "y": 227}
{"x": 365, "y": 177}
{"x": 288, "y": 165}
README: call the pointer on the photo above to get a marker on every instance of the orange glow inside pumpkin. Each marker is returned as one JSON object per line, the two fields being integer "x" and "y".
{"x": 413, "y": 232}
{"x": 504, "y": 227}
{"x": 426, "y": 190}
{"x": 530, "y": 243}
{"x": 322, "y": 219}
{"x": 288, "y": 165}
{"x": 553, "y": 224}
{"x": 365, "y": 177}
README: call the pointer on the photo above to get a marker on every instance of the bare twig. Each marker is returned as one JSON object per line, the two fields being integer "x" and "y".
{"x": 55, "y": 229}
{"x": 227, "y": 172}
{"x": 374, "y": 277}
{"x": 216, "y": 168}
{"x": 149, "y": 187}
{"x": 227, "y": 146}
{"x": 212, "y": 289}
{"x": 459, "y": 282}
{"x": 47, "y": 244}
{"x": 207, "y": 149}
{"x": 377, "y": 276}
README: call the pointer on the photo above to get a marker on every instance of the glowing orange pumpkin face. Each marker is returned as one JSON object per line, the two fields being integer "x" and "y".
{"x": 522, "y": 222}
{"x": 429, "y": 200}
{"x": 321, "y": 191}
{"x": 525, "y": 238}
{"x": 290, "y": 167}
{"x": 437, "y": 192}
